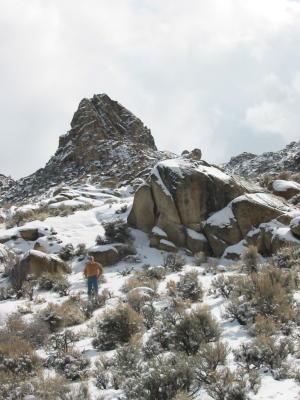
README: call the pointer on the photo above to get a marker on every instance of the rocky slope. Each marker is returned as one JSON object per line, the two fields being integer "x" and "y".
{"x": 106, "y": 144}
{"x": 251, "y": 166}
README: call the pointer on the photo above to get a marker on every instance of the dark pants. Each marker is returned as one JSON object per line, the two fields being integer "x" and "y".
{"x": 92, "y": 285}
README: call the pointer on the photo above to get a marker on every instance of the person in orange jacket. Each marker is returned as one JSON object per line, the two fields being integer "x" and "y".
{"x": 92, "y": 271}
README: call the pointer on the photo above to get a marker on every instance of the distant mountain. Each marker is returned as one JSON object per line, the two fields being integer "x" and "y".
{"x": 250, "y": 165}
{"x": 106, "y": 144}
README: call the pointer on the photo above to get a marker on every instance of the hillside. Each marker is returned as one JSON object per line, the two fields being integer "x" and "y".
{"x": 200, "y": 293}
{"x": 271, "y": 163}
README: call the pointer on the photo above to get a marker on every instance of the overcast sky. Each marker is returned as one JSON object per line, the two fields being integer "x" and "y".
{"x": 221, "y": 75}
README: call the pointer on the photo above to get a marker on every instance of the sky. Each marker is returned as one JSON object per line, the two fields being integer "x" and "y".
{"x": 219, "y": 75}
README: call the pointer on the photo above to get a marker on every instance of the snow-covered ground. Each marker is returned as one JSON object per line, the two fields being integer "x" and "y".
{"x": 83, "y": 226}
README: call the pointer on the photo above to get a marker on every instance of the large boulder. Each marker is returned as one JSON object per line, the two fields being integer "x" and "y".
{"x": 30, "y": 233}
{"x": 250, "y": 210}
{"x": 181, "y": 194}
{"x": 222, "y": 230}
{"x": 106, "y": 254}
{"x": 37, "y": 263}
{"x": 286, "y": 189}
{"x": 142, "y": 212}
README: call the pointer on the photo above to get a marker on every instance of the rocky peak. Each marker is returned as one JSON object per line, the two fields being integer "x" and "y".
{"x": 106, "y": 144}
{"x": 101, "y": 118}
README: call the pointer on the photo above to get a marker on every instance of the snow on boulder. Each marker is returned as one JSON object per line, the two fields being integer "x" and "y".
{"x": 105, "y": 254}
{"x": 250, "y": 210}
{"x": 295, "y": 226}
{"x": 222, "y": 230}
{"x": 180, "y": 194}
{"x": 286, "y": 189}
{"x": 196, "y": 241}
{"x": 36, "y": 263}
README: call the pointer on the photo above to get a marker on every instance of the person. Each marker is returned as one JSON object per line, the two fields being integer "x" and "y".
{"x": 92, "y": 271}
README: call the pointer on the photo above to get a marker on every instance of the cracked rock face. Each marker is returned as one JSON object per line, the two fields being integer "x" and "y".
{"x": 106, "y": 144}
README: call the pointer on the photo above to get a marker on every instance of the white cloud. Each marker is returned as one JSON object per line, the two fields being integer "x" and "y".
{"x": 281, "y": 115}
{"x": 194, "y": 71}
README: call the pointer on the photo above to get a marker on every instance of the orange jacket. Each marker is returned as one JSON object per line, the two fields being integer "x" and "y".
{"x": 92, "y": 269}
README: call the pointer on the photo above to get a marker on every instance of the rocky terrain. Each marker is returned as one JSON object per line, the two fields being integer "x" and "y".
{"x": 200, "y": 292}
{"x": 253, "y": 166}
{"x": 107, "y": 144}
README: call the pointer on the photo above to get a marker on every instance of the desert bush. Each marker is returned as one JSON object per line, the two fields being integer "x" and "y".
{"x": 224, "y": 285}
{"x": 35, "y": 332}
{"x": 72, "y": 365}
{"x": 63, "y": 315}
{"x": 199, "y": 258}
{"x": 265, "y": 352}
{"x": 139, "y": 281}
{"x": 80, "y": 250}
{"x": 268, "y": 293}
{"x": 122, "y": 210}
{"x": 87, "y": 307}
{"x": 174, "y": 262}
{"x": 250, "y": 259}
{"x": 263, "y": 326}
{"x": 287, "y": 257}
{"x": 67, "y": 252}
{"x": 123, "y": 365}
{"x": 17, "y": 357}
{"x": 160, "y": 378}
{"x": 117, "y": 231}
{"x": 58, "y": 387}
{"x": 56, "y": 282}
{"x": 194, "y": 329}
{"x": 182, "y": 330}
{"x": 153, "y": 272}
{"x": 138, "y": 298}
{"x": 117, "y": 326}
{"x": 62, "y": 342}
{"x": 189, "y": 286}
{"x": 228, "y": 385}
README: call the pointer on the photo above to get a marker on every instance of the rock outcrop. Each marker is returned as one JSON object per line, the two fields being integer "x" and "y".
{"x": 252, "y": 165}
{"x": 197, "y": 206}
{"x": 286, "y": 189}
{"x": 36, "y": 263}
{"x": 106, "y": 144}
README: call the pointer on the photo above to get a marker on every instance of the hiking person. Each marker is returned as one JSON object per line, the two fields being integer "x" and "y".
{"x": 92, "y": 271}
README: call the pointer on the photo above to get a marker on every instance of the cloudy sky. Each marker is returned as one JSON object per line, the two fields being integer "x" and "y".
{"x": 221, "y": 75}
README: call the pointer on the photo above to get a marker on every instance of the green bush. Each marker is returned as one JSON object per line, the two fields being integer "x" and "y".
{"x": 117, "y": 326}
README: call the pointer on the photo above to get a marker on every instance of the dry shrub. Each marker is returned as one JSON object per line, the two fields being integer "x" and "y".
{"x": 35, "y": 332}
{"x": 287, "y": 257}
{"x": 200, "y": 258}
{"x": 138, "y": 298}
{"x": 17, "y": 357}
{"x": 160, "y": 378}
{"x": 117, "y": 326}
{"x": 228, "y": 385}
{"x": 189, "y": 286}
{"x": 152, "y": 272}
{"x": 267, "y": 293}
{"x": 264, "y": 351}
{"x": 57, "y": 282}
{"x": 117, "y": 231}
{"x": 250, "y": 259}
{"x": 73, "y": 365}
{"x": 263, "y": 326}
{"x": 139, "y": 281}
{"x": 63, "y": 315}
{"x": 174, "y": 262}
{"x": 194, "y": 329}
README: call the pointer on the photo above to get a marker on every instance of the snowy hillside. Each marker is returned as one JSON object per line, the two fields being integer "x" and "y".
{"x": 240, "y": 343}
{"x": 252, "y": 165}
